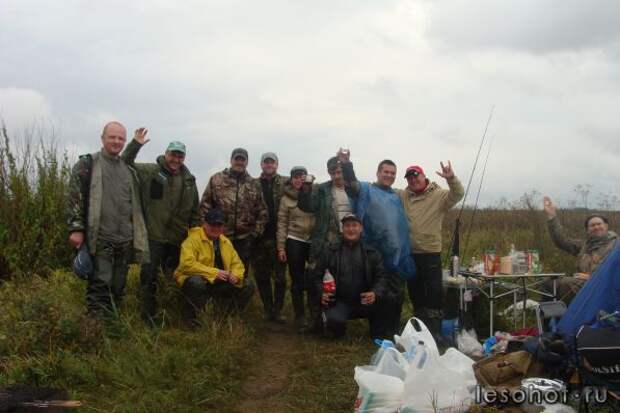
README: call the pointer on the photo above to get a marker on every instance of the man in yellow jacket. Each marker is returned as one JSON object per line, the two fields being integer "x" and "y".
{"x": 426, "y": 204}
{"x": 210, "y": 268}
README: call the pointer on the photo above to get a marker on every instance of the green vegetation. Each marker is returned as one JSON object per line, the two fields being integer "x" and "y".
{"x": 33, "y": 189}
{"x": 48, "y": 340}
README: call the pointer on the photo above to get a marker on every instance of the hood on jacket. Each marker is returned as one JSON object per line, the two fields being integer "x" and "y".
{"x": 290, "y": 191}
{"x": 234, "y": 175}
{"x": 161, "y": 161}
{"x": 431, "y": 187}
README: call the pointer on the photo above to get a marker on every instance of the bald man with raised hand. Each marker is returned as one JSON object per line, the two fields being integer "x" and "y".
{"x": 105, "y": 214}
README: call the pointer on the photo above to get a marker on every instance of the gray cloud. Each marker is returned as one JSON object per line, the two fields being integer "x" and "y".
{"x": 407, "y": 80}
{"x": 528, "y": 25}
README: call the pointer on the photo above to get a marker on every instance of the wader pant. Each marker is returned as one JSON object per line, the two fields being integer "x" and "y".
{"x": 104, "y": 292}
{"x": 164, "y": 257}
{"x": 267, "y": 267}
{"x": 230, "y": 299}
{"x": 426, "y": 291}
{"x": 296, "y": 257}
{"x": 381, "y": 317}
{"x": 245, "y": 249}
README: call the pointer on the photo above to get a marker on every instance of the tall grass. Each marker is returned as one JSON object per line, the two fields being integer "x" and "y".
{"x": 34, "y": 181}
{"x": 522, "y": 223}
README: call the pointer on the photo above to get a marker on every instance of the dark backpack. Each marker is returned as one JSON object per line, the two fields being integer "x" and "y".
{"x": 599, "y": 352}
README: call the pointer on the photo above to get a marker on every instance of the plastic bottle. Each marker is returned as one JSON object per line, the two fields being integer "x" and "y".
{"x": 513, "y": 258}
{"x": 329, "y": 283}
{"x": 455, "y": 266}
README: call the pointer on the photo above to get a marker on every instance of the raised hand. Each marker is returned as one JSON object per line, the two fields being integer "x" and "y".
{"x": 140, "y": 135}
{"x": 76, "y": 239}
{"x": 344, "y": 155}
{"x": 446, "y": 170}
{"x": 549, "y": 207}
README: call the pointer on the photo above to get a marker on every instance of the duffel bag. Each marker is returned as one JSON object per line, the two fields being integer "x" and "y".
{"x": 599, "y": 351}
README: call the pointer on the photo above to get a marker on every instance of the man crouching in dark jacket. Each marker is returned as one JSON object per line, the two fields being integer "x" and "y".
{"x": 364, "y": 289}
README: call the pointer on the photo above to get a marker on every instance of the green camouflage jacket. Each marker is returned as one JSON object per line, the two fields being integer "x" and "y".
{"x": 590, "y": 252}
{"x": 84, "y": 205}
{"x": 240, "y": 199}
{"x": 319, "y": 202}
{"x": 167, "y": 220}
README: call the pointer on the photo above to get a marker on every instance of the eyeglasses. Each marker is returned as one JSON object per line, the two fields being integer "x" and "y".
{"x": 415, "y": 174}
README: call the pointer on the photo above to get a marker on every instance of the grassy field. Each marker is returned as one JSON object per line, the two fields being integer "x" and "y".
{"x": 229, "y": 364}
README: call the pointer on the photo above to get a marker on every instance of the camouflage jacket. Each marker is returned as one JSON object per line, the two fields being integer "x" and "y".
{"x": 240, "y": 199}
{"x": 590, "y": 253}
{"x": 85, "y": 200}
{"x": 167, "y": 219}
{"x": 277, "y": 190}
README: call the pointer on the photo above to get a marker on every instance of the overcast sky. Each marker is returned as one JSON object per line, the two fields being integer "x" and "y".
{"x": 413, "y": 81}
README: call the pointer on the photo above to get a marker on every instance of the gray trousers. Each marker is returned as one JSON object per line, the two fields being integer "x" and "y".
{"x": 104, "y": 292}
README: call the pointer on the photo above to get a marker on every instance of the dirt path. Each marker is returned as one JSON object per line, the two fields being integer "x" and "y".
{"x": 268, "y": 379}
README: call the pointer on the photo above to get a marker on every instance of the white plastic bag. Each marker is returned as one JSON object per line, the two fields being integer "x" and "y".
{"x": 467, "y": 342}
{"x": 392, "y": 363}
{"x": 438, "y": 384}
{"x": 411, "y": 336}
{"x": 378, "y": 393}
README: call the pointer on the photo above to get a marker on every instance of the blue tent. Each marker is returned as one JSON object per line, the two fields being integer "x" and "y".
{"x": 601, "y": 292}
{"x": 386, "y": 227}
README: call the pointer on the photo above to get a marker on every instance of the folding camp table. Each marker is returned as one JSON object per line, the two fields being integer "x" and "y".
{"x": 497, "y": 286}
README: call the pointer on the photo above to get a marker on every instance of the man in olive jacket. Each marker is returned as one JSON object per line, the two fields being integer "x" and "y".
{"x": 105, "y": 212}
{"x": 265, "y": 261}
{"x": 170, "y": 199}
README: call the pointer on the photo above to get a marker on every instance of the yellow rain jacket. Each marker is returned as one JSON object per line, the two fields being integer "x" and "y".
{"x": 198, "y": 258}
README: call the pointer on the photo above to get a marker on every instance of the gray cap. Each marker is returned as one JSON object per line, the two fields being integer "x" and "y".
{"x": 239, "y": 152}
{"x": 269, "y": 155}
{"x": 297, "y": 169}
{"x": 350, "y": 217}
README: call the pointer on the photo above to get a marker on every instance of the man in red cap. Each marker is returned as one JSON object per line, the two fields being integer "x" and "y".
{"x": 425, "y": 204}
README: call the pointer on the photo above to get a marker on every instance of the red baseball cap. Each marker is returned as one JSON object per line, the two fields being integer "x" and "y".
{"x": 414, "y": 170}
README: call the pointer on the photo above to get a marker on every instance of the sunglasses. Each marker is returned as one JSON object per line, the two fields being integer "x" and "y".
{"x": 415, "y": 174}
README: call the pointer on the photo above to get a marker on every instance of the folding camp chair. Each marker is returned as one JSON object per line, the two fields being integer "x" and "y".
{"x": 549, "y": 312}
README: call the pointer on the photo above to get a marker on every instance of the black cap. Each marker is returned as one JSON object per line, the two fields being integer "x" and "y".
{"x": 333, "y": 163}
{"x": 350, "y": 217}
{"x": 215, "y": 216}
{"x": 239, "y": 152}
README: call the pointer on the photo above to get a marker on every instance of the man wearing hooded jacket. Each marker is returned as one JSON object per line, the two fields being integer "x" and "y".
{"x": 170, "y": 200}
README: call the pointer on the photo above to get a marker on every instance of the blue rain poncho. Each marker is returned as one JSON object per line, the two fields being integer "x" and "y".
{"x": 386, "y": 228}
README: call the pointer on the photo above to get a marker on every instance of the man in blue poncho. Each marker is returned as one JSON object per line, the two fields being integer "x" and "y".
{"x": 385, "y": 224}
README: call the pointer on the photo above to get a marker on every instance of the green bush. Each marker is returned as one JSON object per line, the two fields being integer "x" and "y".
{"x": 33, "y": 188}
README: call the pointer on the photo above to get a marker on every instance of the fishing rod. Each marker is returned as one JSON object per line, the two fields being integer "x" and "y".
{"x": 454, "y": 241}
{"x": 473, "y": 215}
